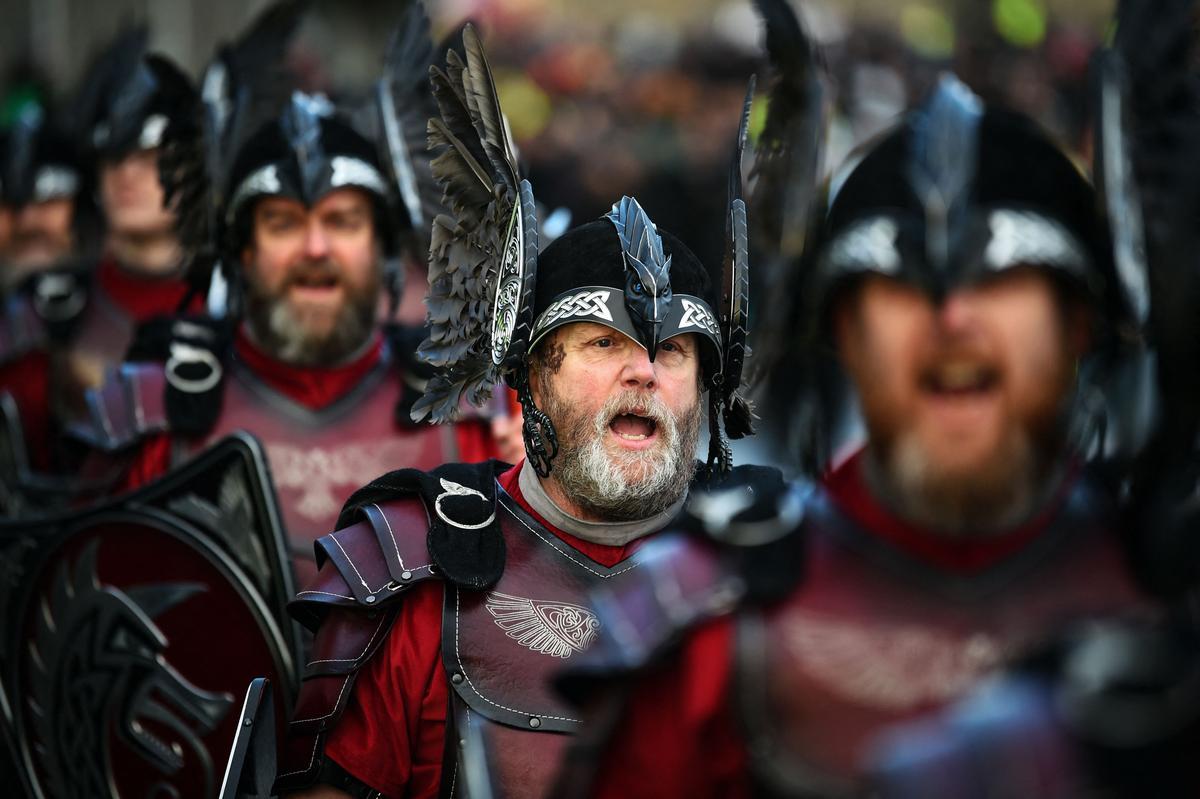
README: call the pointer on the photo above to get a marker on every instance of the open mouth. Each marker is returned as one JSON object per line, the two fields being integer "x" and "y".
{"x": 633, "y": 427}
{"x": 960, "y": 379}
{"x": 315, "y": 281}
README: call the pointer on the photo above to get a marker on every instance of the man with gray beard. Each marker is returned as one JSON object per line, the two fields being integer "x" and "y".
{"x": 300, "y": 361}
{"x": 446, "y": 599}
{"x": 467, "y": 582}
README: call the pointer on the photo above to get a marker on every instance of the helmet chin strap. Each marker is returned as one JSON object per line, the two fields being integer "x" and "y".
{"x": 541, "y": 440}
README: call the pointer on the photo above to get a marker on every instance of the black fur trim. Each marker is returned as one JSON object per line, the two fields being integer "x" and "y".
{"x": 472, "y": 558}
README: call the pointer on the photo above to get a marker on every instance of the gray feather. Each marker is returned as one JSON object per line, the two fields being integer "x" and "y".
{"x": 476, "y": 166}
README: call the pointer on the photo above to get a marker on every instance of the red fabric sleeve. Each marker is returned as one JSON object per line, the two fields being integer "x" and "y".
{"x": 677, "y": 738}
{"x": 392, "y": 733}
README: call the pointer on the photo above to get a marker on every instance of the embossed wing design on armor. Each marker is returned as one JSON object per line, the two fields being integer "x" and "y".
{"x": 558, "y": 629}
{"x": 892, "y": 667}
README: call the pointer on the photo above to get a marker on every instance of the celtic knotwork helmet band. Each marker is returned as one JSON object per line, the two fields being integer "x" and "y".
{"x": 604, "y": 305}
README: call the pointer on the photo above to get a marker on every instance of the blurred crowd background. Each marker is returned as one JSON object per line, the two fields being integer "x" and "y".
{"x": 620, "y": 96}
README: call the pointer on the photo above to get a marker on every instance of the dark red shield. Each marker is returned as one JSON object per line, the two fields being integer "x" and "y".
{"x": 137, "y": 627}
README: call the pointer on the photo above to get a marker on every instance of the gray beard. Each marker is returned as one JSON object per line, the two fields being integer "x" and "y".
{"x": 283, "y": 335}
{"x": 1011, "y": 490}
{"x": 623, "y": 486}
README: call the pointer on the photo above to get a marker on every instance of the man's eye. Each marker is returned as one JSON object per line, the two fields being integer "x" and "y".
{"x": 604, "y": 342}
{"x": 669, "y": 346}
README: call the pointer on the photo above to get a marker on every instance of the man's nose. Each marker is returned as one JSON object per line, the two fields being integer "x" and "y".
{"x": 638, "y": 371}
{"x": 956, "y": 312}
{"x": 316, "y": 245}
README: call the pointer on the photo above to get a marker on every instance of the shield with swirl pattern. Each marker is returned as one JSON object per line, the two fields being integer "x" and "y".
{"x": 136, "y": 625}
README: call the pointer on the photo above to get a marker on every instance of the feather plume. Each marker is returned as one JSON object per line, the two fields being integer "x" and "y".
{"x": 242, "y": 88}
{"x": 403, "y": 103}
{"x": 107, "y": 70}
{"x": 735, "y": 286}
{"x": 1155, "y": 43}
{"x": 785, "y": 178}
{"x": 789, "y": 149}
{"x": 487, "y": 211}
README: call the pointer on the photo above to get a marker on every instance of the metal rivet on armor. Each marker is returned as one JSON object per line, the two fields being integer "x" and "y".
{"x": 405, "y": 575}
{"x": 456, "y": 678}
{"x": 248, "y": 722}
{"x": 369, "y": 600}
{"x": 535, "y": 722}
{"x": 432, "y": 569}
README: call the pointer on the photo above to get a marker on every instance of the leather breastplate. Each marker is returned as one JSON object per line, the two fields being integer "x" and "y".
{"x": 318, "y": 458}
{"x": 501, "y": 646}
{"x": 100, "y": 342}
{"x": 871, "y": 638}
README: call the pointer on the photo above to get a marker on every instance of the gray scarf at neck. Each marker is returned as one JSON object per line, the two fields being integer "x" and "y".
{"x": 614, "y": 534}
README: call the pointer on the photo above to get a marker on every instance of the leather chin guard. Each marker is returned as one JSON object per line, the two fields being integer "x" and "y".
{"x": 388, "y": 541}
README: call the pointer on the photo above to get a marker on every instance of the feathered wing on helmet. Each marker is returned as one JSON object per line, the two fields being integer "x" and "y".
{"x": 242, "y": 87}
{"x": 1149, "y": 173}
{"x": 788, "y": 153}
{"x": 403, "y": 103}
{"x": 785, "y": 195}
{"x": 483, "y": 252}
{"x": 735, "y": 293}
{"x": 113, "y": 65}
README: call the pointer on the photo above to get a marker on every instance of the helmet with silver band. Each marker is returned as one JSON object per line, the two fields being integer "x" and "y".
{"x": 38, "y": 162}
{"x": 305, "y": 154}
{"x": 959, "y": 192}
{"x": 251, "y": 136}
{"x": 955, "y": 194}
{"x": 493, "y": 298}
{"x": 131, "y": 97}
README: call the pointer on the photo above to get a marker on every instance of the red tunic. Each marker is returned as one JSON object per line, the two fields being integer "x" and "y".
{"x": 391, "y": 736}
{"x": 679, "y": 735}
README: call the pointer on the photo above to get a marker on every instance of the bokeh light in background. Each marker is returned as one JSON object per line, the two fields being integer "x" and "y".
{"x": 629, "y": 96}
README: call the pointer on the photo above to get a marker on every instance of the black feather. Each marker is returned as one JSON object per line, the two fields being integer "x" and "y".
{"x": 477, "y": 169}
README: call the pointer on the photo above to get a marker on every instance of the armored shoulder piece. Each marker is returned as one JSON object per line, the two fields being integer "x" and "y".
{"x": 400, "y": 530}
{"x": 126, "y": 408}
{"x": 368, "y": 564}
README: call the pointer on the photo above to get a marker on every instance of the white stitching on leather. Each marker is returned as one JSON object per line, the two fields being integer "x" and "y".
{"x": 374, "y": 635}
{"x": 391, "y": 534}
{"x": 345, "y": 685}
{"x": 325, "y": 593}
{"x": 352, "y": 566}
{"x": 601, "y": 575}
{"x": 467, "y": 677}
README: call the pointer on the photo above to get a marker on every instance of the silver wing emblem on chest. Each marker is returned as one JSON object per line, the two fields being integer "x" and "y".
{"x": 558, "y": 629}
